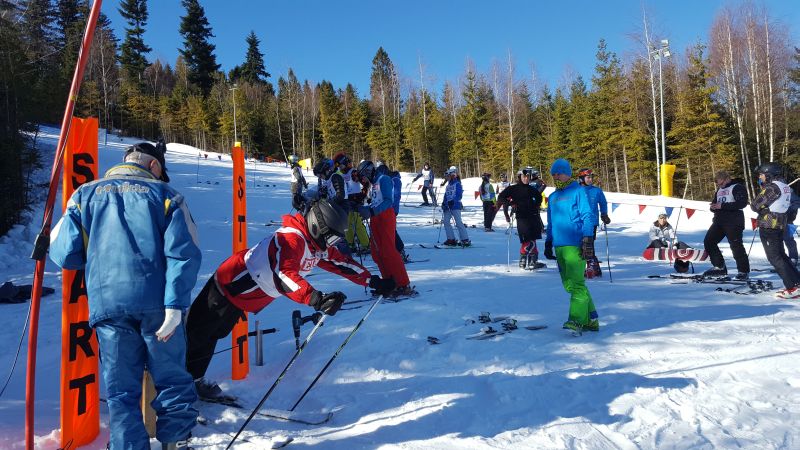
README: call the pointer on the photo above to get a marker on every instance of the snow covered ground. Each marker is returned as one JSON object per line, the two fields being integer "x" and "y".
{"x": 673, "y": 366}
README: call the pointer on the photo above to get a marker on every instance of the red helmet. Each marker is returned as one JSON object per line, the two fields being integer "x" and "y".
{"x": 585, "y": 172}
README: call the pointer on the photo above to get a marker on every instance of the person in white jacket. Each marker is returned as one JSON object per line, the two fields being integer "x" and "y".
{"x": 662, "y": 235}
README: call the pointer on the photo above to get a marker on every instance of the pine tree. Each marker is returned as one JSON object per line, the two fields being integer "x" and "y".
{"x": 198, "y": 52}
{"x": 253, "y": 70}
{"x": 331, "y": 121}
{"x": 133, "y": 49}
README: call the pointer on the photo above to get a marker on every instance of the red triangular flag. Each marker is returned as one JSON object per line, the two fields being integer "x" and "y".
{"x": 754, "y": 223}
{"x": 419, "y": 186}
{"x": 641, "y": 208}
{"x": 477, "y": 194}
{"x": 689, "y": 213}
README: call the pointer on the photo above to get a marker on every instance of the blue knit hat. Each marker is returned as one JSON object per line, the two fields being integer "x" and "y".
{"x": 561, "y": 166}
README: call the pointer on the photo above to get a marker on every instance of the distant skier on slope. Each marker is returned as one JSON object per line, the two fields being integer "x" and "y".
{"x": 251, "y": 279}
{"x": 299, "y": 183}
{"x": 488, "y": 198}
{"x": 451, "y": 208}
{"x": 427, "y": 184}
{"x": 597, "y": 201}
{"x": 526, "y": 200}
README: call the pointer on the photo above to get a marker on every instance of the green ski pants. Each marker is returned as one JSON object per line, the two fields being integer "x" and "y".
{"x": 571, "y": 267}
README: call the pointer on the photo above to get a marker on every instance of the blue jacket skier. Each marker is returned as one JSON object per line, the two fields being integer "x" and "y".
{"x": 134, "y": 237}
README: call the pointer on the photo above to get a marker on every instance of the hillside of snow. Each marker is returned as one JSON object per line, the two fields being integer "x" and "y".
{"x": 673, "y": 366}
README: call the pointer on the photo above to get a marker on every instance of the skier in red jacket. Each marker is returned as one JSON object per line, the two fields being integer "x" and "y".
{"x": 251, "y": 279}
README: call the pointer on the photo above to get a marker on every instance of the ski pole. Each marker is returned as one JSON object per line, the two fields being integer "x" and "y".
{"x": 608, "y": 255}
{"x": 752, "y": 242}
{"x": 441, "y": 222}
{"x": 330, "y": 361}
{"x": 198, "y": 168}
{"x": 298, "y": 321}
{"x": 508, "y": 244}
{"x": 278, "y": 380}
{"x": 675, "y": 234}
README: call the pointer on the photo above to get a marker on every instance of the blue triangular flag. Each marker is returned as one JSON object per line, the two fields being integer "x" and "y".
{"x": 669, "y": 210}
{"x": 614, "y": 206}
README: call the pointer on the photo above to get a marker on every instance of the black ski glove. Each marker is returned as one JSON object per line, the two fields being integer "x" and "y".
{"x": 298, "y": 202}
{"x": 327, "y": 303}
{"x": 381, "y": 286}
{"x": 548, "y": 250}
{"x": 587, "y": 248}
{"x": 606, "y": 220}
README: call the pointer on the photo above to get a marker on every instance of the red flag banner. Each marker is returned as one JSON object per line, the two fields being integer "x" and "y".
{"x": 641, "y": 208}
{"x": 80, "y": 398}
{"x": 477, "y": 194}
{"x": 689, "y": 213}
{"x": 754, "y": 223}
{"x": 240, "y": 361}
{"x": 419, "y": 186}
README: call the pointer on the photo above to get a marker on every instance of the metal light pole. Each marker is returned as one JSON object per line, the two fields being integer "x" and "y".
{"x": 235, "y": 136}
{"x": 659, "y": 54}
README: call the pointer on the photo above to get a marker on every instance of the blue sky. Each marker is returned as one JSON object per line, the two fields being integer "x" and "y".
{"x": 336, "y": 40}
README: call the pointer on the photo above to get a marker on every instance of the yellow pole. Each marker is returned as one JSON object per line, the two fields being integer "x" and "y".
{"x": 667, "y": 175}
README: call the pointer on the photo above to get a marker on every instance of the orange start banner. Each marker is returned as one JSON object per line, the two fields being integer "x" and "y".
{"x": 240, "y": 361}
{"x": 80, "y": 399}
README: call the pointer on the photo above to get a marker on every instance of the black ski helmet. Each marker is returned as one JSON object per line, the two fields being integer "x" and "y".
{"x": 366, "y": 170}
{"x": 773, "y": 170}
{"x": 293, "y": 160}
{"x": 326, "y": 222}
{"x": 324, "y": 168}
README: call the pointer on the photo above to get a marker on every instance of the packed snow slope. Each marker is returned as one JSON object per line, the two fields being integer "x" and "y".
{"x": 673, "y": 366}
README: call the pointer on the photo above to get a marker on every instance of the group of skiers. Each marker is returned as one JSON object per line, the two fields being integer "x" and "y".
{"x": 776, "y": 205}
{"x": 135, "y": 238}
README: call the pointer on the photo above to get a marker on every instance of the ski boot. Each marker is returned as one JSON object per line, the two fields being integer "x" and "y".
{"x": 742, "y": 276}
{"x": 533, "y": 262}
{"x": 523, "y": 261}
{"x": 789, "y": 293}
{"x": 450, "y": 243}
{"x": 595, "y": 264}
{"x": 465, "y": 243}
{"x": 207, "y": 390}
{"x": 404, "y": 291}
{"x": 716, "y": 272}
{"x": 177, "y": 445}
{"x": 575, "y": 327}
{"x": 593, "y": 325}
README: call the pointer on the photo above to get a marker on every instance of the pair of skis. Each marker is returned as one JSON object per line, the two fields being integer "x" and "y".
{"x": 291, "y": 362}
{"x": 506, "y": 325}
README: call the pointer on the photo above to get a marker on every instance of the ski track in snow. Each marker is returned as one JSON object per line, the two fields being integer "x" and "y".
{"x": 674, "y": 365}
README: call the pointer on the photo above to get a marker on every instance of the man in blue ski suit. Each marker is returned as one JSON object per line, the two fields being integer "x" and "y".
{"x": 136, "y": 240}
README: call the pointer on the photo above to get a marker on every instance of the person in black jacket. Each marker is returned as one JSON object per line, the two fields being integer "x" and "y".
{"x": 772, "y": 205}
{"x": 526, "y": 201}
{"x": 728, "y": 222}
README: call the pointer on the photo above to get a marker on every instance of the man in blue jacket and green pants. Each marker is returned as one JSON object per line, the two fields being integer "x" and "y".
{"x": 571, "y": 232}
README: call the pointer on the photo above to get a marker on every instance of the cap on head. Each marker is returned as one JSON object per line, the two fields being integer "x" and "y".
{"x": 530, "y": 172}
{"x": 453, "y": 170}
{"x": 561, "y": 166}
{"x": 326, "y": 222}
{"x": 156, "y": 151}
{"x": 294, "y": 159}
{"x": 662, "y": 216}
{"x": 486, "y": 175}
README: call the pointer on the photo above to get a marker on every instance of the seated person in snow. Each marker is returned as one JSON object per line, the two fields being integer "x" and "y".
{"x": 662, "y": 234}
{"x": 248, "y": 281}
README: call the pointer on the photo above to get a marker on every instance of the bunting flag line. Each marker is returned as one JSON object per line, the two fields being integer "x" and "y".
{"x": 477, "y": 194}
{"x": 689, "y": 213}
{"x": 614, "y": 207}
{"x": 641, "y": 208}
{"x": 669, "y": 209}
{"x": 419, "y": 186}
{"x": 754, "y": 223}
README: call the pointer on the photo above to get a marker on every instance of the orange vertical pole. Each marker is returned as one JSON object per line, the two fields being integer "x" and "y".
{"x": 240, "y": 361}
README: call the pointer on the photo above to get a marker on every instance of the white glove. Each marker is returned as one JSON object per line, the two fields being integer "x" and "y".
{"x": 172, "y": 318}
